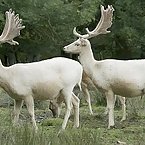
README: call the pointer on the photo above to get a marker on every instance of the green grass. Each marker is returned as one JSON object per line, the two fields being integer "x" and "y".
{"x": 92, "y": 131}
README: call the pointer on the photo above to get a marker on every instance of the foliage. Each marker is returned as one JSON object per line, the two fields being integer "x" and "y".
{"x": 48, "y": 24}
{"x": 49, "y": 27}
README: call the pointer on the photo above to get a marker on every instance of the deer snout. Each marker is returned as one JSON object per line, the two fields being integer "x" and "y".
{"x": 65, "y": 48}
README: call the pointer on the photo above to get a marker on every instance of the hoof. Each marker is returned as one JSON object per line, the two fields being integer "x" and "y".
{"x": 76, "y": 126}
{"x": 35, "y": 129}
{"x": 121, "y": 143}
{"x": 91, "y": 113}
{"x": 111, "y": 127}
{"x": 123, "y": 119}
{"x": 60, "y": 131}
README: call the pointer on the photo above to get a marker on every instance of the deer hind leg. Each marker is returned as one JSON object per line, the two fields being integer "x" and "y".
{"x": 76, "y": 104}
{"x": 17, "y": 107}
{"x": 122, "y": 100}
{"x": 30, "y": 106}
{"x": 68, "y": 102}
{"x": 59, "y": 103}
{"x": 110, "y": 105}
{"x": 87, "y": 97}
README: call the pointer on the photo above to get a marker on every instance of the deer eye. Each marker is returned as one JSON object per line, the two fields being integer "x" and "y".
{"x": 77, "y": 44}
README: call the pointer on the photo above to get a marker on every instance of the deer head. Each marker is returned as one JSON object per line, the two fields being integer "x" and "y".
{"x": 77, "y": 46}
{"x": 104, "y": 23}
{"x": 12, "y": 28}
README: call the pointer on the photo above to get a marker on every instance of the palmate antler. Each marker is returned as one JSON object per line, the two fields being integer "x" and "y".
{"x": 12, "y": 28}
{"x": 104, "y": 23}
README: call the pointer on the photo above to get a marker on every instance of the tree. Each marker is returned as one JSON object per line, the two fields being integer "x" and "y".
{"x": 48, "y": 24}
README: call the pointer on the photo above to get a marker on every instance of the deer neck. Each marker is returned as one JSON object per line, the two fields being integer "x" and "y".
{"x": 87, "y": 60}
{"x": 4, "y": 77}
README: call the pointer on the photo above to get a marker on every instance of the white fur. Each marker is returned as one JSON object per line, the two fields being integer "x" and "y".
{"x": 55, "y": 105}
{"x": 110, "y": 76}
{"x": 122, "y": 101}
{"x": 44, "y": 80}
{"x": 86, "y": 82}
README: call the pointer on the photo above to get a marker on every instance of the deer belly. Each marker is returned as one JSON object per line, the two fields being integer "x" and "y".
{"x": 46, "y": 91}
{"x": 128, "y": 90}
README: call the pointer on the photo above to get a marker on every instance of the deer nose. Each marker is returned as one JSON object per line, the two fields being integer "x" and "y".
{"x": 64, "y": 48}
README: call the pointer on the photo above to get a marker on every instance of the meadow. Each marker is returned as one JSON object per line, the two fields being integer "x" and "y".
{"x": 92, "y": 131}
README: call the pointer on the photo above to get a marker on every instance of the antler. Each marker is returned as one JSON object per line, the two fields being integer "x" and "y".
{"x": 12, "y": 28}
{"x": 104, "y": 23}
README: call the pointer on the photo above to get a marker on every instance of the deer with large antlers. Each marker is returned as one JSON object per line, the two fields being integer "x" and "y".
{"x": 111, "y": 76}
{"x": 12, "y": 28}
{"x": 52, "y": 79}
{"x": 45, "y": 80}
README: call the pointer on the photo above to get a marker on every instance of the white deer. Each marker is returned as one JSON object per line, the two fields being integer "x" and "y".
{"x": 120, "y": 77}
{"x": 55, "y": 105}
{"x": 86, "y": 82}
{"x": 45, "y": 80}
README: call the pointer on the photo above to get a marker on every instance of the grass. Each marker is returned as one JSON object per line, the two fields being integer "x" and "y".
{"x": 93, "y": 129}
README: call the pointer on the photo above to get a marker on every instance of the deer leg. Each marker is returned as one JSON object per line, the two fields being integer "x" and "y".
{"x": 17, "y": 107}
{"x": 122, "y": 100}
{"x": 107, "y": 109}
{"x": 68, "y": 100}
{"x": 76, "y": 103}
{"x": 30, "y": 106}
{"x": 87, "y": 97}
{"x": 59, "y": 102}
{"x": 110, "y": 105}
{"x": 59, "y": 110}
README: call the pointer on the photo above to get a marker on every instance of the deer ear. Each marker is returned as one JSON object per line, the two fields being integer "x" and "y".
{"x": 83, "y": 42}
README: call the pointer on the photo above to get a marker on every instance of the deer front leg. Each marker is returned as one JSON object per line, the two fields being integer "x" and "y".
{"x": 68, "y": 102}
{"x": 110, "y": 104}
{"x": 30, "y": 106}
{"x": 76, "y": 104}
{"x": 107, "y": 109}
{"x": 17, "y": 107}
